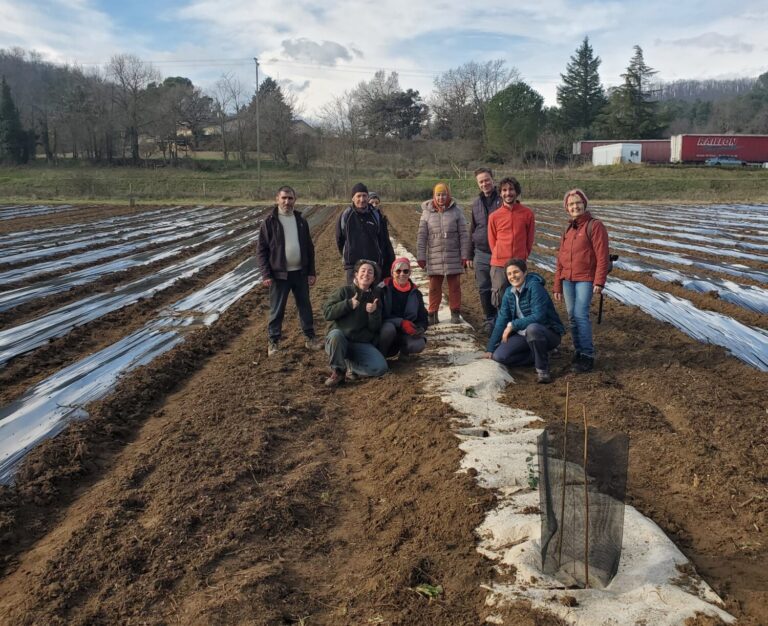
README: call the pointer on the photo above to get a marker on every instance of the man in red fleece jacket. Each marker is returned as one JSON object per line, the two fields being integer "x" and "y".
{"x": 511, "y": 230}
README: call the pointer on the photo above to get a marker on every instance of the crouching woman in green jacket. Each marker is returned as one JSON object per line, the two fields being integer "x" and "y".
{"x": 355, "y": 314}
{"x": 527, "y": 326}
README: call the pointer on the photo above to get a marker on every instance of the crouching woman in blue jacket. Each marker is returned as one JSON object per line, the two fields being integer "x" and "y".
{"x": 527, "y": 326}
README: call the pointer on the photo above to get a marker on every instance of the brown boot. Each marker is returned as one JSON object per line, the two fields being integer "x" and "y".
{"x": 432, "y": 318}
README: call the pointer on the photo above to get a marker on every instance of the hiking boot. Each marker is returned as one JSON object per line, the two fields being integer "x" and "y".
{"x": 543, "y": 377}
{"x": 273, "y": 347}
{"x": 488, "y": 327}
{"x": 575, "y": 358}
{"x": 583, "y": 364}
{"x": 432, "y": 319}
{"x": 455, "y": 317}
{"x": 313, "y": 343}
{"x": 336, "y": 378}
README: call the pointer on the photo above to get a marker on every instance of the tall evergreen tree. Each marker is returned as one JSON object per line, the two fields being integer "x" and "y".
{"x": 632, "y": 113}
{"x": 581, "y": 96}
{"x": 13, "y": 139}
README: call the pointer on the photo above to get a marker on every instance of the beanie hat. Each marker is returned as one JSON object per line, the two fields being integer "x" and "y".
{"x": 575, "y": 192}
{"x": 440, "y": 188}
{"x": 372, "y": 195}
{"x": 359, "y": 188}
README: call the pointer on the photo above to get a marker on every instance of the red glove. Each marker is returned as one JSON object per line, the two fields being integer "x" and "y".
{"x": 408, "y": 327}
{"x": 422, "y": 264}
{"x": 465, "y": 262}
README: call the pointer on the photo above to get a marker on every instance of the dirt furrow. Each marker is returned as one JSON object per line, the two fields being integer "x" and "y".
{"x": 251, "y": 494}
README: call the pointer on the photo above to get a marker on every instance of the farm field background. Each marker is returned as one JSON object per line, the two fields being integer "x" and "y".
{"x": 210, "y": 484}
{"x": 209, "y": 180}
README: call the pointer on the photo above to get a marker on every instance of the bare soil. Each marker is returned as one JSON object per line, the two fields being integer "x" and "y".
{"x": 219, "y": 486}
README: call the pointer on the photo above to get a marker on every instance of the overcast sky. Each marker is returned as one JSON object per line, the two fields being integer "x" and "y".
{"x": 319, "y": 49}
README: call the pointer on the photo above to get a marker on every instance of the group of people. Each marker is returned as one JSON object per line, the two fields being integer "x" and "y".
{"x": 380, "y": 313}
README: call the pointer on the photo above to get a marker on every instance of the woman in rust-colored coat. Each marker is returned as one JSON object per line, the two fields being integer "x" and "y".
{"x": 581, "y": 272}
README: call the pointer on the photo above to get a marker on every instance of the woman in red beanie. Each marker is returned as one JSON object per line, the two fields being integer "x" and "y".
{"x": 405, "y": 318}
{"x": 581, "y": 272}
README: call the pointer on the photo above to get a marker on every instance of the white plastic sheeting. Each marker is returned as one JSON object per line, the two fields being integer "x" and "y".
{"x": 46, "y": 409}
{"x": 35, "y": 333}
{"x": 59, "y": 284}
{"x": 17, "y": 211}
{"x": 746, "y": 343}
{"x": 149, "y": 237}
{"x": 649, "y": 587}
{"x": 29, "y": 247}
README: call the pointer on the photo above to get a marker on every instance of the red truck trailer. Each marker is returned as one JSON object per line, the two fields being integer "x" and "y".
{"x": 699, "y": 148}
{"x": 653, "y": 150}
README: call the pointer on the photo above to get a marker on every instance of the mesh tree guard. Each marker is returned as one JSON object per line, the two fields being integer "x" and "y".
{"x": 582, "y": 513}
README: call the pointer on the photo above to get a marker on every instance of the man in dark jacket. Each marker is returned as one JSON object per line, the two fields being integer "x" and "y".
{"x": 287, "y": 261}
{"x": 362, "y": 232}
{"x": 485, "y": 204}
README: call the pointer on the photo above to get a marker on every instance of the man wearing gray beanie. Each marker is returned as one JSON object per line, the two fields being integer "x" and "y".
{"x": 363, "y": 233}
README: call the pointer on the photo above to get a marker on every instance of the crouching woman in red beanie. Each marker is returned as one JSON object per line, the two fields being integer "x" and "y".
{"x": 405, "y": 317}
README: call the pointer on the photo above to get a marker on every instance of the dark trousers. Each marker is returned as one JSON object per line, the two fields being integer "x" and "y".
{"x": 531, "y": 348}
{"x": 297, "y": 283}
{"x": 483, "y": 281}
{"x": 393, "y": 340}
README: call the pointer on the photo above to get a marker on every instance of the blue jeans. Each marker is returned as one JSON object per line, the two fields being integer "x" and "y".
{"x": 362, "y": 358}
{"x": 578, "y": 297}
{"x": 531, "y": 348}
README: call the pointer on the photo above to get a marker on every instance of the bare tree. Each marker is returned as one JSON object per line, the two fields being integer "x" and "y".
{"x": 232, "y": 91}
{"x": 132, "y": 77}
{"x": 342, "y": 118}
{"x": 461, "y": 95}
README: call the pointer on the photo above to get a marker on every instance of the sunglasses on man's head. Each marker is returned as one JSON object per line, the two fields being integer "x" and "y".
{"x": 402, "y": 271}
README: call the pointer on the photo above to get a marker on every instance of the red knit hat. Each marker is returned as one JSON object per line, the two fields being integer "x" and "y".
{"x": 575, "y": 192}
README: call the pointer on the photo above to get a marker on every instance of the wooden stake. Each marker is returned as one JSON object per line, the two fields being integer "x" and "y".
{"x": 562, "y": 503}
{"x": 586, "y": 503}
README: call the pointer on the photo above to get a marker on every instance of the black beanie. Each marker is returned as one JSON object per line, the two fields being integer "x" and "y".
{"x": 359, "y": 188}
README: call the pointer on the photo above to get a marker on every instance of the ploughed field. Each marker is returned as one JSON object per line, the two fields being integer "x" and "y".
{"x": 210, "y": 484}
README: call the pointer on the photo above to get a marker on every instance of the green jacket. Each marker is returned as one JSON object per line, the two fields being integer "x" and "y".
{"x": 356, "y": 324}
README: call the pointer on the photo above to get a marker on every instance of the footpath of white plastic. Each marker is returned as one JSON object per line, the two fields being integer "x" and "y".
{"x": 649, "y": 587}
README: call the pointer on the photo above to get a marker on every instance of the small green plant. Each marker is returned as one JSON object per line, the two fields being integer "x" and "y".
{"x": 429, "y": 591}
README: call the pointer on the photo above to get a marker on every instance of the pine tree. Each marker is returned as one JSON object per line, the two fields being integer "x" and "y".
{"x": 13, "y": 139}
{"x": 581, "y": 96}
{"x": 631, "y": 112}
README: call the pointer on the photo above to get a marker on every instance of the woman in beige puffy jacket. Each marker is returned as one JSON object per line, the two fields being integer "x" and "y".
{"x": 443, "y": 249}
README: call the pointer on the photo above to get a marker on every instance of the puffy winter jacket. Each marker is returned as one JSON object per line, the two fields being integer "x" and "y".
{"x": 535, "y": 305}
{"x": 443, "y": 239}
{"x": 581, "y": 257}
